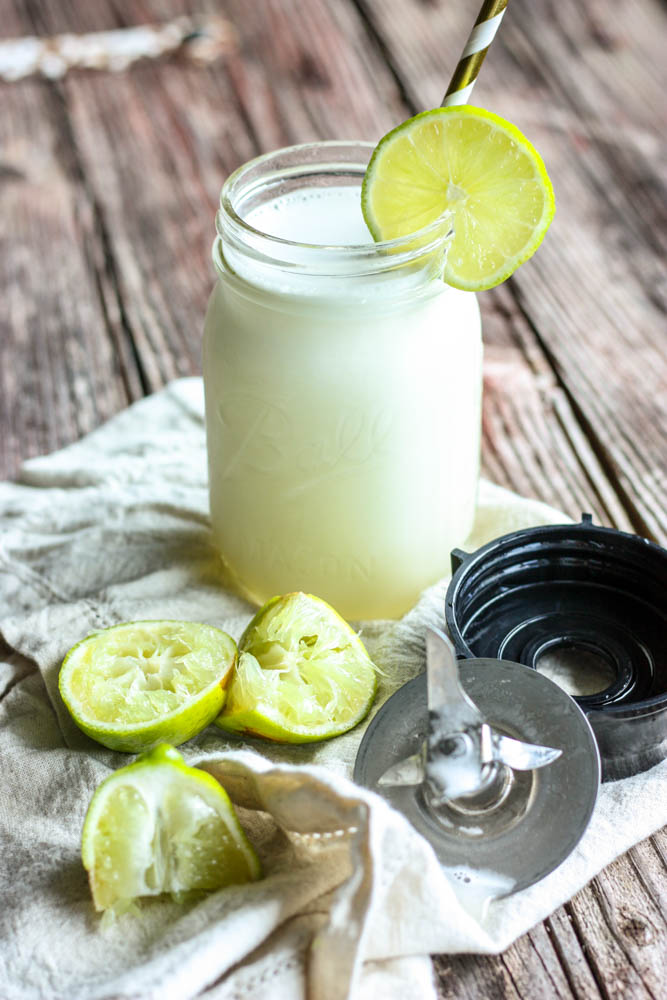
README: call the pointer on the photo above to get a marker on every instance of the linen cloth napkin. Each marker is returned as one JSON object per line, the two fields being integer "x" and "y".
{"x": 353, "y": 901}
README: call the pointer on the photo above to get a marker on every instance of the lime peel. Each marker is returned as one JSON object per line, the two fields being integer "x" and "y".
{"x": 158, "y": 826}
{"x": 478, "y": 167}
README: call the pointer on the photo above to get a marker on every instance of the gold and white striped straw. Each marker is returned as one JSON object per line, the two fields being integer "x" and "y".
{"x": 472, "y": 57}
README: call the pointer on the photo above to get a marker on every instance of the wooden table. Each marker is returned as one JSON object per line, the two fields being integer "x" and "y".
{"x": 108, "y": 188}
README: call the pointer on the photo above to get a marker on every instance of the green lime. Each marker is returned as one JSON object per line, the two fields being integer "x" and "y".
{"x": 159, "y": 826}
{"x": 474, "y": 165}
{"x": 138, "y": 684}
{"x": 302, "y": 674}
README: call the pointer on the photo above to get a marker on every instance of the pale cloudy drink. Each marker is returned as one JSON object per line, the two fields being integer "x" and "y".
{"x": 343, "y": 383}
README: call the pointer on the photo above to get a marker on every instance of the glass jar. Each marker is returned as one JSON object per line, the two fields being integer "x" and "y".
{"x": 343, "y": 389}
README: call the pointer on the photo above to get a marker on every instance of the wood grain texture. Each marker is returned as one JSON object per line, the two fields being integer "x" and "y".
{"x": 61, "y": 367}
{"x": 108, "y": 188}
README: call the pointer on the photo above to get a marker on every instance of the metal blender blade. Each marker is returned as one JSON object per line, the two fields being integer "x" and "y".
{"x": 514, "y": 826}
{"x": 462, "y": 755}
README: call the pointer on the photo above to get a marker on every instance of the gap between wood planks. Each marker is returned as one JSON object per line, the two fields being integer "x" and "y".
{"x": 107, "y": 284}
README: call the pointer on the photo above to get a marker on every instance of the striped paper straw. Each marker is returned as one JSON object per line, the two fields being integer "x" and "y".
{"x": 473, "y": 54}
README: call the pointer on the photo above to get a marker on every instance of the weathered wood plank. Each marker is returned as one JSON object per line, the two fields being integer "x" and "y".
{"x": 532, "y": 968}
{"x": 635, "y": 920}
{"x": 535, "y": 967}
{"x": 532, "y": 440}
{"x": 650, "y": 867}
{"x": 626, "y": 958}
{"x": 572, "y": 955}
{"x": 469, "y": 978}
{"x": 63, "y": 370}
{"x": 158, "y": 142}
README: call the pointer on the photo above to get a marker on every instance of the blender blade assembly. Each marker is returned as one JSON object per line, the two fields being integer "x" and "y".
{"x": 462, "y": 754}
{"x": 494, "y": 763}
{"x": 495, "y": 766}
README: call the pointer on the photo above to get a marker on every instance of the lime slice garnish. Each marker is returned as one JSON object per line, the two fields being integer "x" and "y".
{"x": 302, "y": 674}
{"x": 138, "y": 684}
{"x": 158, "y": 826}
{"x": 478, "y": 167}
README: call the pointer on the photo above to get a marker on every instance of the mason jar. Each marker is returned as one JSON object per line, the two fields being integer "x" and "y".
{"x": 343, "y": 389}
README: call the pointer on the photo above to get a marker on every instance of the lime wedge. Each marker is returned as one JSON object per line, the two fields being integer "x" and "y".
{"x": 138, "y": 684}
{"x": 159, "y": 826}
{"x": 302, "y": 674}
{"x": 475, "y": 165}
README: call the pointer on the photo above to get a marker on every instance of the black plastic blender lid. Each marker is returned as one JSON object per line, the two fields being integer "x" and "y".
{"x": 584, "y": 587}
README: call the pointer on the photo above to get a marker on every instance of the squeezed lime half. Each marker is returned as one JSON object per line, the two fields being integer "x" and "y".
{"x": 302, "y": 674}
{"x": 135, "y": 685}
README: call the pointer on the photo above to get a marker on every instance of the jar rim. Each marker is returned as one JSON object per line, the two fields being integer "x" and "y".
{"x": 231, "y": 226}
